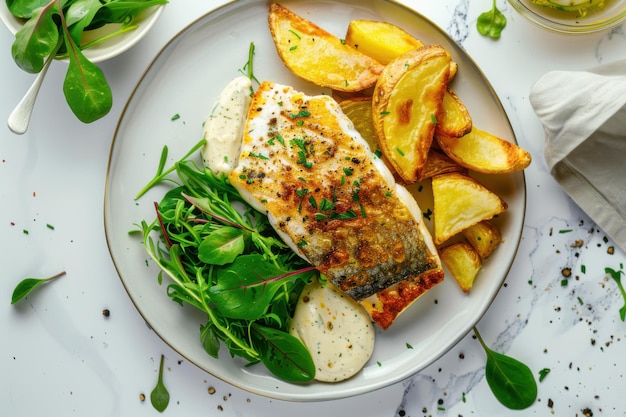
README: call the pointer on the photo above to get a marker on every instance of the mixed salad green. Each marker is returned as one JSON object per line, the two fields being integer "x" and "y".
{"x": 225, "y": 259}
{"x": 54, "y": 29}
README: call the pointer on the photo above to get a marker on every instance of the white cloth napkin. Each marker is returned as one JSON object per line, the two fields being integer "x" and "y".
{"x": 584, "y": 118}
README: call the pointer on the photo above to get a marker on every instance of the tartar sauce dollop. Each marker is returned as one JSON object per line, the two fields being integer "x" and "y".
{"x": 336, "y": 330}
{"x": 224, "y": 126}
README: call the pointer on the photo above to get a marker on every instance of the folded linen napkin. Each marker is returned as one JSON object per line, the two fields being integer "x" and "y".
{"x": 584, "y": 118}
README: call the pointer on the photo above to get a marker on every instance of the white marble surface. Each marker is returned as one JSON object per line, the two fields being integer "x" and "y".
{"x": 60, "y": 356}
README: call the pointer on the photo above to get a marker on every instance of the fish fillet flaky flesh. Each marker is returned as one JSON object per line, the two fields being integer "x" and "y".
{"x": 334, "y": 201}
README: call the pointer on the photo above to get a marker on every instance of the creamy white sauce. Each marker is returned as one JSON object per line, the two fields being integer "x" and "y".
{"x": 336, "y": 330}
{"x": 224, "y": 126}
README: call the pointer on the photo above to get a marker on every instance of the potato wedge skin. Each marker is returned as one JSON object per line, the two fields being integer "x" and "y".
{"x": 484, "y": 152}
{"x": 406, "y": 105}
{"x": 460, "y": 201}
{"x": 318, "y": 56}
{"x": 463, "y": 262}
{"x": 484, "y": 237}
{"x": 455, "y": 120}
{"x": 439, "y": 163}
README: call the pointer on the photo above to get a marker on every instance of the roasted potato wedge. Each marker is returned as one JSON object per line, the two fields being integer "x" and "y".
{"x": 484, "y": 237}
{"x": 359, "y": 111}
{"x": 455, "y": 119}
{"x": 463, "y": 263}
{"x": 383, "y": 41}
{"x": 460, "y": 201}
{"x": 439, "y": 163}
{"x": 406, "y": 105}
{"x": 481, "y": 151}
{"x": 318, "y": 56}
{"x": 380, "y": 40}
{"x": 340, "y": 96}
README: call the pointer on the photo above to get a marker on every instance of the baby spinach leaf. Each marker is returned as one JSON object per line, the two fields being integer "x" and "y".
{"x": 222, "y": 246}
{"x": 85, "y": 87}
{"x": 246, "y": 288}
{"x": 160, "y": 397}
{"x": 491, "y": 23}
{"x": 120, "y": 11}
{"x": 284, "y": 355}
{"x": 27, "y": 285}
{"x": 80, "y": 15}
{"x": 210, "y": 340}
{"x": 25, "y": 8}
{"x": 37, "y": 39}
{"x": 510, "y": 380}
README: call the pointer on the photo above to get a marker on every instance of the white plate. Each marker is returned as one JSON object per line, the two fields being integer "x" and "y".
{"x": 184, "y": 79}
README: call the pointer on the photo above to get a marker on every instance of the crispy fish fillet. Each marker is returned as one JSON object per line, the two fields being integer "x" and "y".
{"x": 334, "y": 201}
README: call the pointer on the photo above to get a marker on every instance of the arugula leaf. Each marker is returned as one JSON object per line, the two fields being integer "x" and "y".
{"x": 510, "y": 380}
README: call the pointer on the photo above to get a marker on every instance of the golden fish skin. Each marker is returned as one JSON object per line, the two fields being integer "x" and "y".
{"x": 334, "y": 201}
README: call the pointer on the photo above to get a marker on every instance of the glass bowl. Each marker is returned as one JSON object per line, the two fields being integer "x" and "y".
{"x": 597, "y": 19}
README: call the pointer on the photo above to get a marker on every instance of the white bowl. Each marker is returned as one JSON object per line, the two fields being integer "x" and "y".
{"x": 107, "y": 49}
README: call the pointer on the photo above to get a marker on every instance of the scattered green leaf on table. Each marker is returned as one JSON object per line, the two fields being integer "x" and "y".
{"x": 27, "y": 285}
{"x": 160, "y": 397}
{"x": 491, "y": 23}
{"x": 616, "y": 275}
{"x": 510, "y": 380}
